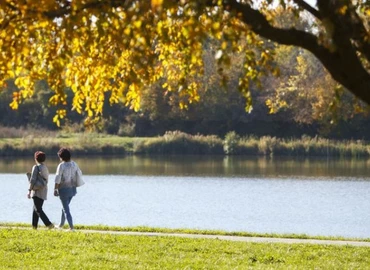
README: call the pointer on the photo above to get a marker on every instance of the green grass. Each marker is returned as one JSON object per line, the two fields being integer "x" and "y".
{"x": 43, "y": 249}
{"x": 146, "y": 229}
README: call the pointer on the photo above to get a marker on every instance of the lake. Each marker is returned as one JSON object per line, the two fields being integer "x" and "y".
{"x": 318, "y": 197}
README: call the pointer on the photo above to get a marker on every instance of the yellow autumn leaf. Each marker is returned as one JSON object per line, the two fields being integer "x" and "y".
{"x": 343, "y": 10}
{"x": 216, "y": 25}
{"x": 156, "y": 5}
{"x": 56, "y": 120}
{"x": 14, "y": 105}
{"x": 138, "y": 23}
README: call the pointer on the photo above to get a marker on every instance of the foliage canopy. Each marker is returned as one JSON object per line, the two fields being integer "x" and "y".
{"x": 115, "y": 49}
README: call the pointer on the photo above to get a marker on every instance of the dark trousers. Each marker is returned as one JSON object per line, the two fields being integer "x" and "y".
{"x": 39, "y": 213}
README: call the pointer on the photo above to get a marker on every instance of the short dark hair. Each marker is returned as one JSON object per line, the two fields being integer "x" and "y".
{"x": 40, "y": 156}
{"x": 64, "y": 154}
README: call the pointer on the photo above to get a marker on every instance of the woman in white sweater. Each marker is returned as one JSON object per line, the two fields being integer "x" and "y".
{"x": 65, "y": 184}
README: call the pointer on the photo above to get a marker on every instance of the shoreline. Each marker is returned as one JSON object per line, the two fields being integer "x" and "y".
{"x": 210, "y": 234}
{"x": 178, "y": 143}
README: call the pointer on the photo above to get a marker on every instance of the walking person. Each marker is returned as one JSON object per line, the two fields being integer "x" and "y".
{"x": 39, "y": 173}
{"x": 65, "y": 185}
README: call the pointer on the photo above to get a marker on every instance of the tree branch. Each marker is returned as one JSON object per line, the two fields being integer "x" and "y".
{"x": 302, "y": 4}
{"x": 260, "y": 25}
{"x": 343, "y": 63}
{"x": 348, "y": 25}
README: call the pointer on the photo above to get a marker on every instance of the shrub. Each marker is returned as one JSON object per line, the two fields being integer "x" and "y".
{"x": 231, "y": 143}
{"x": 176, "y": 142}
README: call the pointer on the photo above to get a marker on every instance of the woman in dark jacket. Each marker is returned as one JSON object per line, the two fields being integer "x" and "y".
{"x": 39, "y": 173}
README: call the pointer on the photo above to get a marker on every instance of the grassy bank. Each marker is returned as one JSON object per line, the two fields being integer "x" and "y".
{"x": 145, "y": 229}
{"x": 42, "y": 249}
{"x": 82, "y": 144}
{"x": 181, "y": 143}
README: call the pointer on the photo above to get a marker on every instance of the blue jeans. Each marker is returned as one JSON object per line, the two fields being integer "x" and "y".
{"x": 66, "y": 195}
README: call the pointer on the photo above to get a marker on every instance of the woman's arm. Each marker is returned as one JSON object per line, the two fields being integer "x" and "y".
{"x": 32, "y": 181}
{"x": 56, "y": 189}
{"x": 33, "y": 177}
{"x": 58, "y": 179}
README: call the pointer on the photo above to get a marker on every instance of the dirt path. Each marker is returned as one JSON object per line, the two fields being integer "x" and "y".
{"x": 240, "y": 238}
{"x": 224, "y": 237}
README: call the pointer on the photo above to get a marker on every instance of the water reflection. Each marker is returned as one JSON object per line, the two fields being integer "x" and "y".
{"x": 204, "y": 166}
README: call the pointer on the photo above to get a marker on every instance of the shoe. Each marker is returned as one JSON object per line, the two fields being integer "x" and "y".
{"x": 70, "y": 230}
{"x": 51, "y": 226}
{"x": 58, "y": 227}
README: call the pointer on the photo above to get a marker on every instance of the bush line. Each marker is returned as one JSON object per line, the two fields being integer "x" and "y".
{"x": 179, "y": 143}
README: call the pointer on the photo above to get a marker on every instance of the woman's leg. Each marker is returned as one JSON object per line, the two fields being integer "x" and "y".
{"x": 38, "y": 212}
{"x": 63, "y": 218}
{"x": 66, "y": 211}
{"x": 35, "y": 215}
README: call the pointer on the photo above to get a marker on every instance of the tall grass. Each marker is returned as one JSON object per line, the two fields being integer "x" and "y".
{"x": 81, "y": 144}
{"x": 180, "y": 143}
{"x": 22, "y": 132}
{"x": 306, "y": 146}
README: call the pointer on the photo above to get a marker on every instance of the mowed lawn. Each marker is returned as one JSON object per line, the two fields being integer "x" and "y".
{"x": 43, "y": 249}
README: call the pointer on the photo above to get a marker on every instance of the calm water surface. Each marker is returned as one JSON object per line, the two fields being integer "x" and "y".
{"x": 315, "y": 197}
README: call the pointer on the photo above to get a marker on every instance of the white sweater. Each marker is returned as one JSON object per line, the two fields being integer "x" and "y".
{"x": 66, "y": 175}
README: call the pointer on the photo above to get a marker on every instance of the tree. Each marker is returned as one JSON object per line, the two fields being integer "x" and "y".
{"x": 341, "y": 42}
{"x": 306, "y": 91}
{"x": 117, "y": 48}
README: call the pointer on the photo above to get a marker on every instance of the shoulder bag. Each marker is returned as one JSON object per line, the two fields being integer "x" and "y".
{"x": 79, "y": 180}
{"x": 40, "y": 181}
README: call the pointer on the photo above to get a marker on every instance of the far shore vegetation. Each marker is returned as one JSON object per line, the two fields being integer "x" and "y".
{"x": 54, "y": 249}
{"x": 22, "y": 142}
